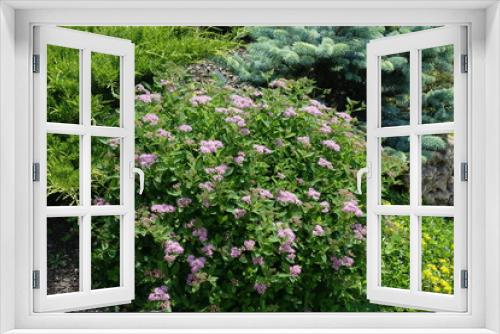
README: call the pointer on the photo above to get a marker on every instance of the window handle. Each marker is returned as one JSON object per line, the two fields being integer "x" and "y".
{"x": 141, "y": 179}
{"x": 359, "y": 176}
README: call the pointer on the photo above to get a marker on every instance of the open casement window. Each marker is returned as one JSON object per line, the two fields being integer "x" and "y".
{"x": 83, "y": 171}
{"x": 405, "y": 73}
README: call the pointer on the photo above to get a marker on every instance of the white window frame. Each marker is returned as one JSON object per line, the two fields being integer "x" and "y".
{"x": 86, "y": 44}
{"x": 413, "y": 44}
{"x": 16, "y": 20}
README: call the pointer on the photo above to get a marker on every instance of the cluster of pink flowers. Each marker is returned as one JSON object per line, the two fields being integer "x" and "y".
{"x": 325, "y": 163}
{"x": 359, "y": 231}
{"x": 185, "y": 128}
{"x": 289, "y": 113}
{"x": 261, "y": 149}
{"x": 196, "y": 264}
{"x": 295, "y": 270}
{"x": 247, "y": 199}
{"x": 278, "y": 83}
{"x": 304, "y": 140}
{"x": 165, "y": 134}
{"x": 288, "y": 197}
{"x": 317, "y": 104}
{"x": 258, "y": 261}
{"x": 239, "y": 213}
{"x": 242, "y": 101}
{"x": 199, "y": 100}
{"x": 172, "y": 250}
{"x": 208, "y": 186}
{"x": 238, "y": 120}
{"x": 260, "y": 288}
{"x": 240, "y": 158}
{"x": 201, "y": 233}
{"x": 345, "y": 116}
{"x": 244, "y": 131}
{"x": 147, "y": 159}
{"x": 163, "y": 208}
{"x": 325, "y": 128}
{"x": 183, "y": 202}
{"x": 159, "y": 294}
{"x": 286, "y": 245}
{"x": 352, "y": 207}
{"x": 210, "y": 146}
{"x": 219, "y": 170}
{"x": 235, "y": 252}
{"x": 249, "y": 245}
{"x": 314, "y": 194}
{"x": 100, "y": 201}
{"x": 318, "y": 231}
{"x": 325, "y": 206}
{"x": 332, "y": 145}
{"x": 345, "y": 261}
{"x": 208, "y": 250}
{"x": 151, "y": 118}
{"x": 264, "y": 193}
{"x": 147, "y": 97}
{"x": 312, "y": 110}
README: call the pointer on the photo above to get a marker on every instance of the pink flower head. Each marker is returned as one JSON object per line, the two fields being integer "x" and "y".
{"x": 208, "y": 250}
{"x": 100, "y": 201}
{"x": 242, "y": 102}
{"x": 164, "y": 134}
{"x": 288, "y": 197}
{"x": 147, "y": 159}
{"x": 347, "y": 261}
{"x": 264, "y": 193}
{"x": 325, "y": 207}
{"x": 172, "y": 250}
{"x": 258, "y": 260}
{"x": 325, "y": 128}
{"x": 159, "y": 294}
{"x": 312, "y": 110}
{"x": 244, "y": 131}
{"x": 278, "y": 83}
{"x": 304, "y": 140}
{"x": 247, "y": 199}
{"x": 196, "y": 264}
{"x": 325, "y": 163}
{"x": 162, "y": 208}
{"x": 199, "y": 100}
{"x": 318, "y": 231}
{"x": 345, "y": 116}
{"x": 359, "y": 231}
{"x": 239, "y": 213}
{"x": 183, "y": 202}
{"x": 295, "y": 270}
{"x": 146, "y": 97}
{"x": 240, "y": 158}
{"x": 185, "y": 128}
{"x": 210, "y": 146}
{"x": 287, "y": 234}
{"x": 151, "y": 119}
{"x": 352, "y": 207}
{"x": 260, "y": 288}
{"x": 208, "y": 186}
{"x": 201, "y": 233}
{"x": 238, "y": 120}
{"x": 289, "y": 113}
{"x": 317, "y": 104}
{"x": 312, "y": 193}
{"x": 249, "y": 245}
{"x": 235, "y": 252}
{"x": 331, "y": 145}
{"x": 261, "y": 149}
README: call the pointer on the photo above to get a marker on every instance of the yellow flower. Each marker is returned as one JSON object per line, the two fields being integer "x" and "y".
{"x": 447, "y": 290}
{"x": 444, "y": 270}
{"x": 437, "y": 289}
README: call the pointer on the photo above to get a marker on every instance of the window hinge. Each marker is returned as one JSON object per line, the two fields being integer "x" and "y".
{"x": 465, "y": 63}
{"x": 464, "y": 171}
{"x": 36, "y": 172}
{"x": 36, "y": 279}
{"x": 464, "y": 282}
{"x": 36, "y": 63}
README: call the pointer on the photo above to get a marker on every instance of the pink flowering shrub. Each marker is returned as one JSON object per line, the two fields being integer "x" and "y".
{"x": 263, "y": 219}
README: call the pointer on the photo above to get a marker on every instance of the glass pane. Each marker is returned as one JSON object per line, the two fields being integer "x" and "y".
{"x": 395, "y": 89}
{"x": 63, "y": 85}
{"x": 63, "y": 179}
{"x": 395, "y": 248}
{"x": 437, "y": 84}
{"x": 105, "y": 89}
{"x": 437, "y": 169}
{"x": 63, "y": 255}
{"x": 105, "y": 252}
{"x": 105, "y": 171}
{"x": 395, "y": 170}
{"x": 437, "y": 254}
